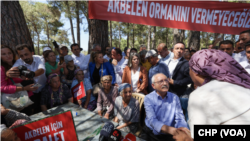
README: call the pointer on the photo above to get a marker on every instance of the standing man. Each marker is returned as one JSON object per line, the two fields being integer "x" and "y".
{"x": 80, "y": 59}
{"x": 166, "y": 56}
{"x": 107, "y": 56}
{"x": 163, "y": 111}
{"x": 244, "y": 38}
{"x": 119, "y": 63}
{"x": 246, "y": 64}
{"x": 238, "y": 48}
{"x": 179, "y": 70}
{"x": 63, "y": 51}
{"x": 227, "y": 46}
{"x": 158, "y": 66}
{"x": 33, "y": 63}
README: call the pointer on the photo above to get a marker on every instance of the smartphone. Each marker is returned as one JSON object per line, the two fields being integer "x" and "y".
{"x": 37, "y": 85}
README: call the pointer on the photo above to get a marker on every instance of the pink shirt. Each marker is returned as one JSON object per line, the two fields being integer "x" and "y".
{"x": 6, "y": 84}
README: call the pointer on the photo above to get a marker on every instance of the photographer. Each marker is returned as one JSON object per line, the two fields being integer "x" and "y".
{"x": 35, "y": 65}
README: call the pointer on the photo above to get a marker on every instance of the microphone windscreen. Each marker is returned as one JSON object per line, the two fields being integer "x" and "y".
{"x": 115, "y": 135}
{"x": 129, "y": 137}
{"x": 107, "y": 129}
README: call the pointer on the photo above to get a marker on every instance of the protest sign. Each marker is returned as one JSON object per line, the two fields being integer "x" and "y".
{"x": 78, "y": 91}
{"x": 55, "y": 128}
{"x": 208, "y": 16}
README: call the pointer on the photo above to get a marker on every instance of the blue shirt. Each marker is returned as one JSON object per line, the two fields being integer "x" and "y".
{"x": 166, "y": 111}
{"x": 160, "y": 67}
{"x": 87, "y": 86}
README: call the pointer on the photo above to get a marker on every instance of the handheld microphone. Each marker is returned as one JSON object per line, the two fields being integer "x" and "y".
{"x": 129, "y": 137}
{"x": 106, "y": 131}
{"x": 115, "y": 135}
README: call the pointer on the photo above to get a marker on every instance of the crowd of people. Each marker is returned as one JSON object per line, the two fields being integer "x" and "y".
{"x": 182, "y": 87}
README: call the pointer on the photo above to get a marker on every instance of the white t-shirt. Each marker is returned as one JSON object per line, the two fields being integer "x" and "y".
{"x": 217, "y": 103}
{"x": 135, "y": 79}
{"x": 246, "y": 65}
{"x": 36, "y": 64}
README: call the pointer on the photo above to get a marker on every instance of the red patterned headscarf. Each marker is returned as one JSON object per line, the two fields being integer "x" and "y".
{"x": 216, "y": 64}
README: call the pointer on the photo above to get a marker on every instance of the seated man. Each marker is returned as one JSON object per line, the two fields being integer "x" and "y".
{"x": 163, "y": 111}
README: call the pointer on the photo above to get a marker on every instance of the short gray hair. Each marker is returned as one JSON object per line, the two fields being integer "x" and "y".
{"x": 131, "y": 55}
{"x": 153, "y": 78}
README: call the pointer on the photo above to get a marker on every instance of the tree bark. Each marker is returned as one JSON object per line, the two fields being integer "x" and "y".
{"x": 176, "y": 36}
{"x": 78, "y": 22}
{"x": 128, "y": 35}
{"x": 110, "y": 29}
{"x": 153, "y": 38}
{"x": 119, "y": 36}
{"x": 182, "y": 35}
{"x": 14, "y": 30}
{"x": 70, "y": 20}
{"x": 98, "y": 33}
{"x": 194, "y": 42}
{"x": 166, "y": 36}
{"x": 133, "y": 40}
{"x": 149, "y": 36}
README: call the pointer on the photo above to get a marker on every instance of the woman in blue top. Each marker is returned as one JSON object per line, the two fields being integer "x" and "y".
{"x": 98, "y": 68}
{"x": 89, "y": 101}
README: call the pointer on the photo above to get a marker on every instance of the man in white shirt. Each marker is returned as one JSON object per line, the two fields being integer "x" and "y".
{"x": 246, "y": 64}
{"x": 35, "y": 64}
{"x": 119, "y": 63}
{"x": 80, "y": 59}
{"x": 244, "y": 38}
{"x": 179, "y": 70}
{"x": 227, "y": 46}
{"x": 162, "y": 50}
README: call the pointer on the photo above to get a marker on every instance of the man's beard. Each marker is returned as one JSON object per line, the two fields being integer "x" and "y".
{"x": 28, "y": 61}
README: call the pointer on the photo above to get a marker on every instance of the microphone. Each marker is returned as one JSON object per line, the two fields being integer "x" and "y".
{"x": 115, "y": 135}
{"x": 106, "y": 131}
{"x": 129, "y": 137}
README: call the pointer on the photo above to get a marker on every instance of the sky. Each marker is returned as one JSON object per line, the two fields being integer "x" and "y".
{"x": 84, "y": 36}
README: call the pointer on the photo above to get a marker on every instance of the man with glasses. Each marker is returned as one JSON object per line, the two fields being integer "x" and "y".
{"x": 158, "y": 66}
{"x": 163, "y": 111}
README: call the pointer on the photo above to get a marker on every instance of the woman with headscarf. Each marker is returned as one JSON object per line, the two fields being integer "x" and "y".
{"x": 54, "y": 93}
{"x": 223, "y": 92}
{"x": 126, "y": 110}
{"x": 89, "y": 101}
{"x": 106, "y": 97}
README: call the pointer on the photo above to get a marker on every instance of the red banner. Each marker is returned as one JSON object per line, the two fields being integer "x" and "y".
{"x": 55, "y": 128}
{"x": 78, "y": 91}
{"x": 208, "y": 16}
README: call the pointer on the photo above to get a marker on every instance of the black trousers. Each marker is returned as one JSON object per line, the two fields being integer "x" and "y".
{"x": 148, "y": 135}
{"x": 36, "y": 107}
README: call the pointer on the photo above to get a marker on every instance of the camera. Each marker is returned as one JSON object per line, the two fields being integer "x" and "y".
{"x": 55, "y": 44}
{"x": 25, "y": 72}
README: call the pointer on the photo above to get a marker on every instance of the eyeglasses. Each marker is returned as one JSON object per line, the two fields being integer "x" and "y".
{"x": 162, "y": 81}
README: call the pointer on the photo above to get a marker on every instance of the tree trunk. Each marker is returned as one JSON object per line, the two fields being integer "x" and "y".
{"x": 166, "y": 36}
{"x": 47, "y": 29}
{"x": 110, "y": 29}
{"x": 176, "y": 36}
{"x": 14, "y": 30}
{"x": 78, "y": 22}
{"x": 119, "y": 36}
{"x": 153, "y": 38}
{"x": 70, "y": 20}
{"x": 38, "y": 48}
{"x": 98, "y": 33}
{"x": 182, "y": 35}
{"x": 128, "y": 35}
{"x": 149, "y": 36}
{"x": 133, "y": 39}
{"x": 194, "y": 42}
